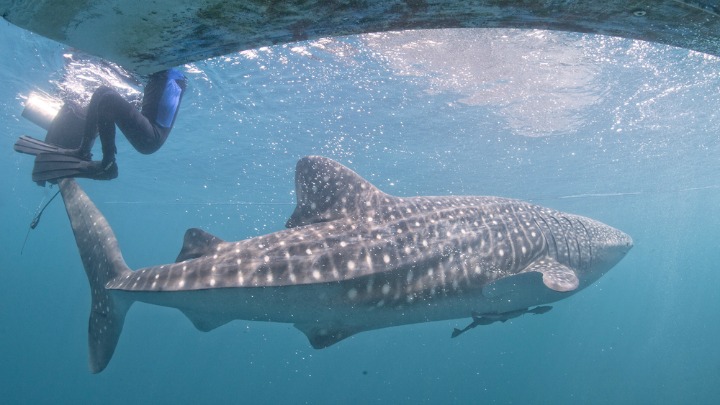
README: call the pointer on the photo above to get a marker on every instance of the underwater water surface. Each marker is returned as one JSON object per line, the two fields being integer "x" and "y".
{"x": 621, "y": 131}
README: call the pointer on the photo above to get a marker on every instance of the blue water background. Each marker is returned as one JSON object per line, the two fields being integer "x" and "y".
{"x": 621, "y": 131}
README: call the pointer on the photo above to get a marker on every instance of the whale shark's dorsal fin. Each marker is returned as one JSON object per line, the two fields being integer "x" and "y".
{"x": 197, "y": 243}
{"x": 327, "y": 190}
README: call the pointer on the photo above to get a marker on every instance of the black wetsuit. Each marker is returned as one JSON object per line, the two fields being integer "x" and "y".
{"x": 146, "y": 130}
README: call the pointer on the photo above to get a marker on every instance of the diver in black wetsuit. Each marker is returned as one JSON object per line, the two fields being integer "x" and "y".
{"x": 146, "y": 130}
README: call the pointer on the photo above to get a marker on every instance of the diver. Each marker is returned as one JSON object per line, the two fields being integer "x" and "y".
{"x": 66, "y": 151}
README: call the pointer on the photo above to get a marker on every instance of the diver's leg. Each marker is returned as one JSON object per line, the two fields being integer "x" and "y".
{"x": 110, "y": 109}
{"x": 145, "y": 137}
{"x": 106, "y": 109}
{"x": 147, "y": 130}
{"x": 99, "y": 112}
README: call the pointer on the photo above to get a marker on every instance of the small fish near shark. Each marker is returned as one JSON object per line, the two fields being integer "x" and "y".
{"x": 353, "y": 259}
{"x": 487, "y": 319}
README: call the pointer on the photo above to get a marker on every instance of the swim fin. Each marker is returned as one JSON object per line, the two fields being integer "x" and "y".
{"x": 31, "y": 146}
{"x": 50, "y": 166}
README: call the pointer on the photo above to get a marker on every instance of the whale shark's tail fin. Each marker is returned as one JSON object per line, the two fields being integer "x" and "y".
{"x": 103, "y": 262}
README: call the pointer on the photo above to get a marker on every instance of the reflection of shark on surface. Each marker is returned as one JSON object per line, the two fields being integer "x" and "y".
{"x": 353, "y": 259}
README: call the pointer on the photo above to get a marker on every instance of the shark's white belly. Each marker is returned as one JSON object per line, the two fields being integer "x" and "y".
{"x": 329, "y": 304}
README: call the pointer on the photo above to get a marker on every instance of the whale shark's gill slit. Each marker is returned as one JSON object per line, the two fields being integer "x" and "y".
{"x": 577, "y": 244}
{"x": 515, "y": 244}
{"x": 551, "y": 238}
{"x": 589, "y": 243}
{"x": 556, "y": 227}
{"x": 564, "y": 237}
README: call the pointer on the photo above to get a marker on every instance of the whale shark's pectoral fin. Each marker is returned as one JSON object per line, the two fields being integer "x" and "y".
{"x": 197, "y": 243}
{"x": 536, "y": 284}
{"x": 556, "y": 276}
{"x": 322, "y": 336}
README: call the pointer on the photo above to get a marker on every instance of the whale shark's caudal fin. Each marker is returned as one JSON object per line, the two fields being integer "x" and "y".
{"x": 103, "y": 262}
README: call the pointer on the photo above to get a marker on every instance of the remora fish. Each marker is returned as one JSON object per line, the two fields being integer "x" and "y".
{"x": 353, "y": 259}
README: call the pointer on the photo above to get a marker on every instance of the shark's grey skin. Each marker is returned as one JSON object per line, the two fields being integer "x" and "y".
{"x": 353, "y": 259}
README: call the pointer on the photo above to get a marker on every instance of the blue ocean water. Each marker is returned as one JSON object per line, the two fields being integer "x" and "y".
{"x": 621, "y": 131}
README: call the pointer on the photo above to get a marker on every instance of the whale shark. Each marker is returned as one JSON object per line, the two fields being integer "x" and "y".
{"x": 352, "y": 259}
